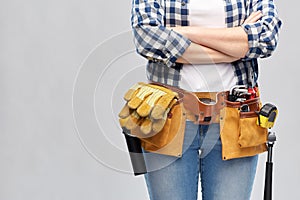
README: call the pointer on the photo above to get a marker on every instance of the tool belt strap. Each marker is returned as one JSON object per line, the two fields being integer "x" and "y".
{"x": 201, "y": 107}
{"x": 204, "y": 107}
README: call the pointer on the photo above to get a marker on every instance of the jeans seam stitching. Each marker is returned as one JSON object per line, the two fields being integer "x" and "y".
{"x": 202, "y": 178}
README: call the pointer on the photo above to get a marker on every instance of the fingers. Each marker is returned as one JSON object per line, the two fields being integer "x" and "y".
{"x": 162, "y": 105}
{"x": 139, "y": 98}
{"x": 146, "y": 107}
{"x": 254, "y": 17}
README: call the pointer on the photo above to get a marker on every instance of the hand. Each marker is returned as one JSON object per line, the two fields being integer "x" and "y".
{"x": 254, "y": 17}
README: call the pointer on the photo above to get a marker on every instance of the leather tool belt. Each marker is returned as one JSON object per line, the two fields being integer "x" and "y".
{"x": 204, "y": 107}
{"x": 201, "y": 107}
{"x": 157, "y": 113}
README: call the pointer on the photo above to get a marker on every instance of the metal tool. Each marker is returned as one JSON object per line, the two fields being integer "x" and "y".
{"x": 245, "y": 108}
{"x": 269, "y": 167}
{"x": 238, "y": 93}
{"x": 253, "y": 92}
{"x": 266, "y": 119}
{"x": 135, "y": 153}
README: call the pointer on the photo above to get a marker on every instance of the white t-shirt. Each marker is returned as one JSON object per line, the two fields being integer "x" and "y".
{"x": 208, "y": 77}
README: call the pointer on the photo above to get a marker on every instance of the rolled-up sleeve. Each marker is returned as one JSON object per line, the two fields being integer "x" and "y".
{"x": 263, "y": 35}
{"x": 152, "y": 39}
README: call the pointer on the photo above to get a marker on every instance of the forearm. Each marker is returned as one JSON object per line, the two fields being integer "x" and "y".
{"x": 231, "y": 41}
{"x": 198, "y": 54}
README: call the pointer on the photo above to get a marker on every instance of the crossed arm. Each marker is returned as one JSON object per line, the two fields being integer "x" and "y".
{"x": 215, "y": 45}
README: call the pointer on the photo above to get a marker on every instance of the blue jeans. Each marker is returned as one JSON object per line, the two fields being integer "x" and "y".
{"x": 171, "y": 178}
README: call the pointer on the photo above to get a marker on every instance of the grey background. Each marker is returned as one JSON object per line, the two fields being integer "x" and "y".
{"x": 60, "y": 68}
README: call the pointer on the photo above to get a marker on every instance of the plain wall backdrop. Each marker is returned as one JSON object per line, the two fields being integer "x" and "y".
{"x": 64, "y": 66}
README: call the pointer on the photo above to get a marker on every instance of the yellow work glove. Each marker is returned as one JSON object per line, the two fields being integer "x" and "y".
{"x": 132, "y": 121}
{"x": 147, "y": 107}
{"x": 158, "y": 124}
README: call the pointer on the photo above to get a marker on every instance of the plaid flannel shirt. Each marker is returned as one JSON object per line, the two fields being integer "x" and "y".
{"x": 162, "y": 46}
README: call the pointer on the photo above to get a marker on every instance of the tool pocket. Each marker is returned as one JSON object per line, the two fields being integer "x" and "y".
{"x": 251, "y": 134}
{"x": 169, "y": 140}
{"x": 240, "y": 135}
{"x": 155, "y": 115}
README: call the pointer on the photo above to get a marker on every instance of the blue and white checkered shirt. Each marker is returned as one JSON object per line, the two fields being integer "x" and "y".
{"x": 162, "y": 46}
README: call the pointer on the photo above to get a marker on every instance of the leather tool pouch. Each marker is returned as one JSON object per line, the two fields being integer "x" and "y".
{"x": 155, "y": 115}
{"x": 240, "y": 135}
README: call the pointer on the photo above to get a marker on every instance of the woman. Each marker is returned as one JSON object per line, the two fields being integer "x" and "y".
{"x": 204, "y": 46}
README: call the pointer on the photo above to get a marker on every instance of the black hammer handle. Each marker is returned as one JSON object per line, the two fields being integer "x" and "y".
{"x": 136, "y": 154}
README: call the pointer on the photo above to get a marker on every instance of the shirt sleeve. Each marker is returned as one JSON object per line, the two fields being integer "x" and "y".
{"x": 152, "y": 39}
{"x": 262, "y": 35}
